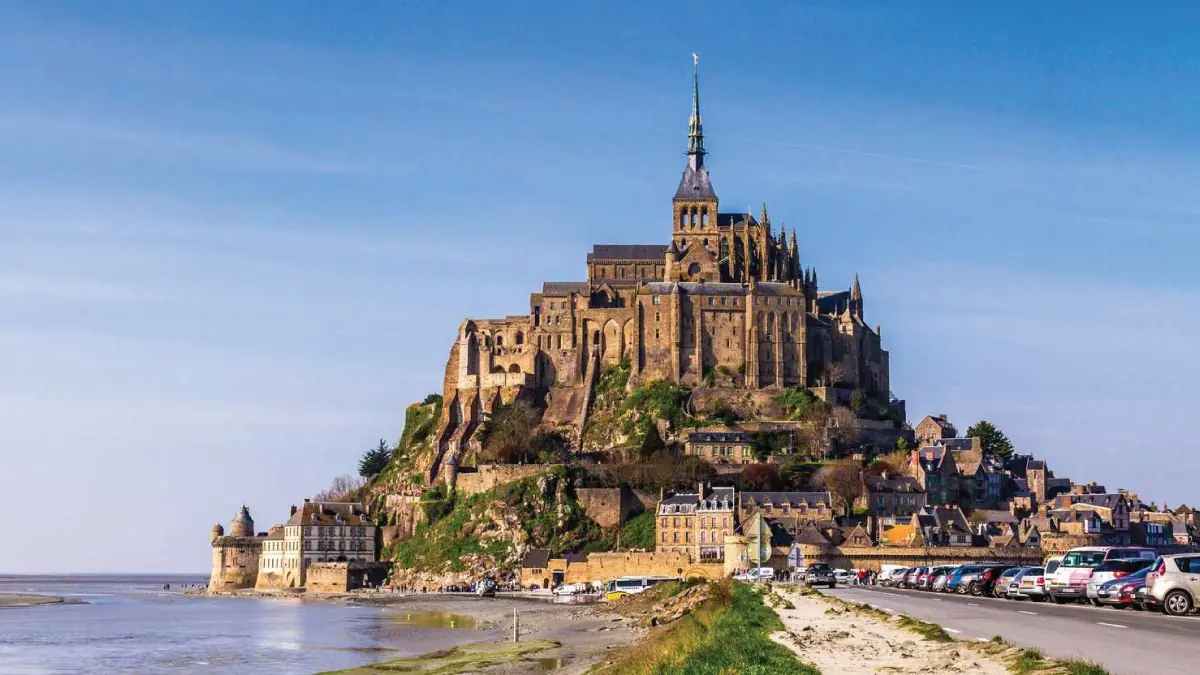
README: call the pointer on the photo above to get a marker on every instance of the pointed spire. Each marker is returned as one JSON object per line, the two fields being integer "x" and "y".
{"x": 765, "y": 220}
{"x": 695, "y": 128}
{"x": 856, "y": 290}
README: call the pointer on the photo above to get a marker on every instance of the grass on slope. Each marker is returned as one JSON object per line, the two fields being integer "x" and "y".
{"x": 728, "y": 634}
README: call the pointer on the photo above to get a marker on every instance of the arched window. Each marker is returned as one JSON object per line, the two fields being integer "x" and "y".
{"x": 514, "y": 368}
{"x": 499, "y": 340}
{"x": 520, "y": 338}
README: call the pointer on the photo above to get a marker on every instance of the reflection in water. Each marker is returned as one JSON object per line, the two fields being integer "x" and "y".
{"x": 548, "y": 664}
{"x": 439, "y": 620}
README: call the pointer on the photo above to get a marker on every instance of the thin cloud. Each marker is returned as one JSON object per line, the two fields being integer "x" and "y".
{"x": 869, "y": 154}
{"x": 223, "y": 149}
{"x": 26, "y": 286}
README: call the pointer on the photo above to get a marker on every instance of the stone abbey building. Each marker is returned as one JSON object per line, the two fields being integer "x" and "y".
{"x": 725, "y": 302}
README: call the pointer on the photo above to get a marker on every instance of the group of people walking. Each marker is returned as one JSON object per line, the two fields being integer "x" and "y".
{"x": 865, "y": 578}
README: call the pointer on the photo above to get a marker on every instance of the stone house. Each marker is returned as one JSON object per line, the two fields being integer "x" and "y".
{"x": 792, "y": 507}
{"x": 236, "y": 556}
{"x": 893, "y": 498}
{"x": 933, "y": 429}
{"x": 1112, "y": 506}
{"x": 317, "y": 532}
{"x": 934, "y": 468}
{"x": 696, "y": 523}
{"x": 943, "y": 526}
{"x": 733, "y": 446}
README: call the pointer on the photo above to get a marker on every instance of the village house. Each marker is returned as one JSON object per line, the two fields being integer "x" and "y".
{"x": 696, "y": 523}
{"x": 733, "y": 446}
{"x": 792, "y": 507}
{"x": 933, "y": 429}
{"x": 893, "y": 498}
{"x": 934, "y": 468}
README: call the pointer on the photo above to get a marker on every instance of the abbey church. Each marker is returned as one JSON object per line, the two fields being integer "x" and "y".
{"x": 724, "y": 303}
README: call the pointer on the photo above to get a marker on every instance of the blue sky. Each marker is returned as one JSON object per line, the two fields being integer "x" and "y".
{"x": 236, "y": 238}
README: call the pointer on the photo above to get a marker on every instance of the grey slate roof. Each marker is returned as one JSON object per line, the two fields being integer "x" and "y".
{"x": 695, "y": 184}
{"x": 791, "y": 498}
{"x": 560, "y": 288}
{"x": 725, "y": 220}
{"x": 721, "y": 287}
{"x": 719, "y": 437}
{"x": 536, "y": 558}
{"x": 896, "y": 484}
{"x": 627, "y": 252}
{"x": 954, "y": 443}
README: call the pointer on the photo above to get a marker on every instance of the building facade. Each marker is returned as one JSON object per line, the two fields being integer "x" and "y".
{"x": 696, "y": 523}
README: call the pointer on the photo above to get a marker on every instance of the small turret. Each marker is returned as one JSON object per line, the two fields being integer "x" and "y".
{"x": 217, "y": 532}
{"x": 243, "y": 524}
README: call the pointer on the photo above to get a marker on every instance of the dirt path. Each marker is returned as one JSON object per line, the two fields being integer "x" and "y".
{"x": 841, "y": 641}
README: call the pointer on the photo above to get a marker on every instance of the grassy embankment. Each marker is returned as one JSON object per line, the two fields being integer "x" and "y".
{"x": 728, "y": 633}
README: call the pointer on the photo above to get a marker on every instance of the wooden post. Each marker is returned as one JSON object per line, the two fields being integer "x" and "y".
{"x": 516, "y": 626}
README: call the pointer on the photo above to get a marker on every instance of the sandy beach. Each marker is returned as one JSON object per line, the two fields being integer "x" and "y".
{"x": 837, "y": 640}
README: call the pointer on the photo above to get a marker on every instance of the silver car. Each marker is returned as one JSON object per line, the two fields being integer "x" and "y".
{"x": 1109, "y": 570}
{"x": 1029, "y": 583}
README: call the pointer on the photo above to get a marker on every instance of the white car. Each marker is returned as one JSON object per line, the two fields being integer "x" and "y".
{"x": 842, "y": 576}
{"x": 757, "y": 574}
{"x": 570, "y": 589}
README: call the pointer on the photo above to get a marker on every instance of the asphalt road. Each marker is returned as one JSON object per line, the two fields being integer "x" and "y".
{"x": 1123, "y": 641}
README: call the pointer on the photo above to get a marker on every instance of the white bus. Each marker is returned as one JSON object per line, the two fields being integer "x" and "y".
{"x": 623, "y": 586}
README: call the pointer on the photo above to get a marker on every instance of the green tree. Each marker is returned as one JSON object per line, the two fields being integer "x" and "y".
{"x": 993, "y": 440}
{"x": 858, "y": 402}
{"x": 375, "y": 460}
{"x": 509, "y": 434}
{"x": 652, "y": 443}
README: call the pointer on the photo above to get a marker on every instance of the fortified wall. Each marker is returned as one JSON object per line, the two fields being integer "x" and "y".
{"x": 343, "y": 577}
{"x": 234, "y": 563}
{"x": 488, "y": 476}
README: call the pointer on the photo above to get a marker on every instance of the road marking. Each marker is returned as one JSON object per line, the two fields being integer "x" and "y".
{"x": 951, "y": 630}
{"x": 972, "y": 604}
{"x": 1110, "y": 625}
{"x": 1025, "y": 612}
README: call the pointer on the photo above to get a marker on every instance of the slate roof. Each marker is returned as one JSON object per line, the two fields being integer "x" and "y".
{"x": 328, "y": 513}
{"x": 695, "y": 184}
{"x": 956, "y": 444}
{"x": 793, "y": 499}
{"x": 720, "y": 437}
{"x": 992, "y": 516}
{"x": 1108, "y": 501}
{"x": 687, "y": 502}
{"x": 896, "y": 484}
{"x": 725, "y": 220}
{"x": 831, "y": 302}
{"x": 561, "y": 288}
{"x": 627, "y": 252}
{"x": 536, "y": 558}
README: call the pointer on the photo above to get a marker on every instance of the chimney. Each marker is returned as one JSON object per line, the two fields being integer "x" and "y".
{"x": 293, "y": 512}
{"x": 307, "y": 500}
{"x": 700, "y": 490}
{"x": 944, "y": 417}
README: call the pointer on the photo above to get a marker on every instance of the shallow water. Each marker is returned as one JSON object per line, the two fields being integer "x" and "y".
{"x": 129, "y": 624}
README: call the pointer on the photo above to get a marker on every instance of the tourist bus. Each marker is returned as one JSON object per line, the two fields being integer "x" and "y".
{"x": 623, "y": 586}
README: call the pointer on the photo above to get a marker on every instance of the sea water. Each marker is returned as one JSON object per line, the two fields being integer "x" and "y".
{"x": 130, "y": 624}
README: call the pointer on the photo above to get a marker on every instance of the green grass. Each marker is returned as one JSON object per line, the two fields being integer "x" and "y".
{"x": 1034, "y": 662}
{"x": 728, "y": 634}
{"x": 927, "y": 630}
{"x": 465, "y": 659}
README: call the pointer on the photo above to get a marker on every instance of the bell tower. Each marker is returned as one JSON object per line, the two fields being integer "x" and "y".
{"x": 695, "y": 204}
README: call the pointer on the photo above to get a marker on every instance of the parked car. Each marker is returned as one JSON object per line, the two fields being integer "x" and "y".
{"x": 1000, "y": 587}
{"x": 1029, "y": 583}
{"x": 1112, "y": 569}
{"x": 937, "y": 575}
{"x": 819, "y": 574}
{"x": 894, "y": 577}
{"x": 1173, "y": 582}
{"x": 980, "y": 578}
{"x": 1069, "y": 581}
{"x": 913, "y": 577}
{"x": 842, "y": 576}
{"x": 1124, "y": 591}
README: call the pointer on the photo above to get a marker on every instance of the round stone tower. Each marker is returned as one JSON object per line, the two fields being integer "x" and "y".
{"x": 217, "y": 532}
{"x": 243, "y": 524}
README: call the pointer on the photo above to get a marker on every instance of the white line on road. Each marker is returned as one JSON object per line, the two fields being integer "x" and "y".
{"x": 1029, "y": 613}
{"x": 972, "y": 604}
{"x": 1110, "y": 625}
{"x": 951, "y": 630}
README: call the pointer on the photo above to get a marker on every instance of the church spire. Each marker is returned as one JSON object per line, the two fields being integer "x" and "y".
{"x": 695, "y": 128}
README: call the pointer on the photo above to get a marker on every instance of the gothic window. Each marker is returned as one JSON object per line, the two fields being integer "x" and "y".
{"x": 520, "y": 338}
{"x": 654, "y": 299}
{"x": 655, "y": 333}
{"x": 722, "y": 301}
{"x": 682, "y": 218}
{"x": 710, "y": 301}
{"x": 656, "y": 317}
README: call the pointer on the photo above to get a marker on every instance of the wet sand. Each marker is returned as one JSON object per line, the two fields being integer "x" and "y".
{"x": 586, "y": 634}
{"x": 16, "y": 600}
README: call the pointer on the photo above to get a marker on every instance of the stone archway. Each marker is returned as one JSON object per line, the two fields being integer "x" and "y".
{"x": 611, "y": 342}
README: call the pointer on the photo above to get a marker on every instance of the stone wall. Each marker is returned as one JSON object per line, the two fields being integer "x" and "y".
{"x": 234, "y": 563}
{"x": 488, "y": 476}
{"x": 872, "y": 557}
{"x": 342, "y": 577}
{"x": 600, "y": 567}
